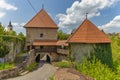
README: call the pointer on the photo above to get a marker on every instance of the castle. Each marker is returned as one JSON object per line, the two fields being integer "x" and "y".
{"x": 41, "y": 35}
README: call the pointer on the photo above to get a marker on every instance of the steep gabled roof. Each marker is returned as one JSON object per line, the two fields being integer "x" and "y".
{"x": 41, "y": 20}
{"x": 87, "y": 32}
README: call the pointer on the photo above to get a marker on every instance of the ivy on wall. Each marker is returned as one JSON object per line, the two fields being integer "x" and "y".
{"x": 9, "y": 38}
{"x": 4, "y": 50}
{"x": 103, "y": 52}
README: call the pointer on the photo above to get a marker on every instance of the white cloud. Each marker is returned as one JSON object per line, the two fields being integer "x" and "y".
{"x": 2, "y": 14}
{"x": 76, "y": 13}
{"x": 7, "y": 6}
{"x": 22, "y": 24}
{"x": 18, "y": 27}
{"x": 112, "y": 25}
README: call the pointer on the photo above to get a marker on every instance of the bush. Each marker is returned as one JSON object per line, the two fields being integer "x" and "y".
{"x": 6, "y": 66}
{"x": 51, "y": 77}
{"x": 62, "y": 64}
{"x": 32, "y": 67}
{"x": 96, "y": 69}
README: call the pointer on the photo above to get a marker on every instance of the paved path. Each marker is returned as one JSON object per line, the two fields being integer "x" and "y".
{"x": 44, "y": 71}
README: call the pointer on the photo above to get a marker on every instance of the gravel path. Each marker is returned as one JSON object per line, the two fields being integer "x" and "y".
{"x": 44, "y": 71}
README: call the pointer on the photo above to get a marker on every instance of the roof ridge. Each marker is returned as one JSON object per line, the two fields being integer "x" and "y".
{"x": 33, "y": 17}
{"x": 87, "y": 32}
{"x": 41, "y": 19}
{"x": 75, "y": 31}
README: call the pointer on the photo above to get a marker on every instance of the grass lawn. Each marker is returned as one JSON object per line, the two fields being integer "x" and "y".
{"x": 6, "y": 66}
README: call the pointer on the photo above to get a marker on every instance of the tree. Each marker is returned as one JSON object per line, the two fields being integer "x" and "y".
{"x": 13, "y": 33}
{"x": 2, "y": 32}
{"x": 62, "y": 36}
{"x": 20, "y": 34}
{"x": 4, "y": 49}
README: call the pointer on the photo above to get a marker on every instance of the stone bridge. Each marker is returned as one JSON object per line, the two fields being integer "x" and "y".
{"x": 36, "y": 56}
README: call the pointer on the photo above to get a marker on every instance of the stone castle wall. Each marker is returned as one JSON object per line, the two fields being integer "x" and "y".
{"x": 78, "y": 51}
{"x": 34, "y": 33}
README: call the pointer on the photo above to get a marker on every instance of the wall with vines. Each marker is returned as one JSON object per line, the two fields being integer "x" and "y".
{"x": 104, "y": 53}
{"x": 15, "y": 43}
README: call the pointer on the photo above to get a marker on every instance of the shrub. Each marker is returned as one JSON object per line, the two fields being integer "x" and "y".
{"x": 51, "y": 77}
{"x": 6, "y": 66}
{"x": 32, "y": 67}
{"x": 96, "y": 69}
{"x": 62, "y": 64}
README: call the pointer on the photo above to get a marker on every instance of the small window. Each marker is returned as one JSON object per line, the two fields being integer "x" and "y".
{"x": 41, "y": 34}
{"x": 41, "y": 47}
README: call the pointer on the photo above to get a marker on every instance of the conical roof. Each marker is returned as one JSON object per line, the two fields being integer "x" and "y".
{"x": 87, "y": 32}
{"x": 41, "y": 20}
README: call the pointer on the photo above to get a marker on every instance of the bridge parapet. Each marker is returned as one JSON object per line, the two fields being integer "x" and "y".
{"x": 31, "y": 57}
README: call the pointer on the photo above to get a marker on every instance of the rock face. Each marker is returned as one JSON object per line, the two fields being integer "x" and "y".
{"x": 8, "y": 73}
{"x": 70, "y": 74}
{"x": 14, "y": 48}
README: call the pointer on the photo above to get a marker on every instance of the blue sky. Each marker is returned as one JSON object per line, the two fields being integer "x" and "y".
{"x": 68, "y": 14}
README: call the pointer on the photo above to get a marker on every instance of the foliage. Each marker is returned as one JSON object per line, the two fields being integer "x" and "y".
{"x": 1, "y": 29}
{"x": 32, "y": 67}
{"x": 115, "y": 48}
{"x": 116, "y": 53}
{"x": 96, "y": 70}
{"x": 7, "y": 37}
{"x": 20, "y": 34}
{"x": 103, "y": 53}
{"x": 62, "y": 64}
{"x": 51, "y": 77}
{"x": 6, "y": 66}
{"x": 62, "y": 36}
{"x": 69, "y": 55}
{"x": 4, "y": 49}
{"x": 13, "y": 33}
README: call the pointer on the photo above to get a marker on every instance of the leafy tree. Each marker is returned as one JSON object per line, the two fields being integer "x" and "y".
{"x": 4, "y": 49}
{"x": 20, "y": 34}
{"x": 13, "y": 33}
{"x": 2, "y": 32}
{"x": 62, "y": 35}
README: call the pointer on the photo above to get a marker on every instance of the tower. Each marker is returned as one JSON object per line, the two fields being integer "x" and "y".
{"x": 10, "y": 27}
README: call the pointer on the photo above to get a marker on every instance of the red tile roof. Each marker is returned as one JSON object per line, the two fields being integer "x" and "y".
{"x": 87, "y": 32}
{"x": 62, "y": 42}
{"x": 50, "y": 42}
{"x": 41, "y": 20}
{"x": 44, "y": 42}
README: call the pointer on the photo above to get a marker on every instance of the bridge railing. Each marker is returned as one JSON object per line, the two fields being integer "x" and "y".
{"x": 46, "y": 50}
{"x": 62, "y": 51}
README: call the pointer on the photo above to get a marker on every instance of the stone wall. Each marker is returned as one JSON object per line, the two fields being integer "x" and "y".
{"x": 78, "y": 51}
{"x": 34, "y": 33}
{"x": 13, "y": 50}
{"x": 54, "y": 56}
{"x": 8, "y": 73}
{"x": 31, "y": 58}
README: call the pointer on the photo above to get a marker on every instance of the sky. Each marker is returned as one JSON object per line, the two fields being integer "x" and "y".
{"x": 67, "y": 14}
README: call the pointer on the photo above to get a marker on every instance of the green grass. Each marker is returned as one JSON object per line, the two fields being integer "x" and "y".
{"x": 21, "y": 53}
{"x": 97, "y": 70}
{"x": 32, "y": 67}
{"x": 6, "y": 66}
{"x": 51, "y": 77}
{"x": 62, "y": 64}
